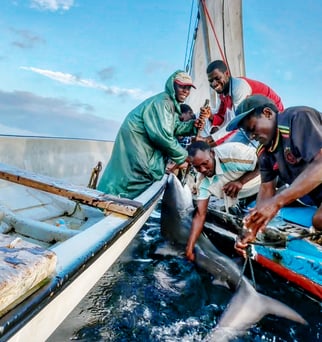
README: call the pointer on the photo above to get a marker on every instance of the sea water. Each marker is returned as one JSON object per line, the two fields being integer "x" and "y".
{"x": 152, "y": 293}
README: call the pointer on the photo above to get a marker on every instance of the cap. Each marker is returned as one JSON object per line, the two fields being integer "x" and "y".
{"x": 184, "y": 79}
{"x": 246, "y": 107}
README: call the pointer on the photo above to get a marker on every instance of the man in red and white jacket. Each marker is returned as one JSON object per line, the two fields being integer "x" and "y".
{"x": 231, "y": 92}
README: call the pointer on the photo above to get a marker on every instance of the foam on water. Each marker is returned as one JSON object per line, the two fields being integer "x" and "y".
{"x": 152, "y": 296}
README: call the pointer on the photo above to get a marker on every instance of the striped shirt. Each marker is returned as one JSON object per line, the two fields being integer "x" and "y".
{"x": 233, "y": 159}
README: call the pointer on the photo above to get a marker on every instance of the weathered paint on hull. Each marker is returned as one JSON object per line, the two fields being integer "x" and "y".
{"x": 300, "y": 262}
{"x": 298, "y": 279}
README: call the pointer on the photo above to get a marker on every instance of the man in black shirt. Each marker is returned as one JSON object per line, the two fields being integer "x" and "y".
{"x": 291, "y": 149}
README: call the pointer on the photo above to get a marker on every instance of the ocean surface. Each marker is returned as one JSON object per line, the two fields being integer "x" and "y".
{"x": 154, "y": 294}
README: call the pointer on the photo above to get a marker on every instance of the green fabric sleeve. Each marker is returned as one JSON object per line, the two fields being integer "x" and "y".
{"x": 160, "y": 123}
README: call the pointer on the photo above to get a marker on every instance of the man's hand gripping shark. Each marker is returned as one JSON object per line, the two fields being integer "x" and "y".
{"x": 247, "y": 306}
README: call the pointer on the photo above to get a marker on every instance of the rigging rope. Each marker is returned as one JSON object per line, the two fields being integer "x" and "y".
{"x": 188, "y": 36}
{"x": 188, "y": 59}
{"x": 203, "y": 2}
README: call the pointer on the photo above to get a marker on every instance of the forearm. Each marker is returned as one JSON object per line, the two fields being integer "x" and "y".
{"x": 247, "y": 176}
{"x": 196, "y": 229}
{"x": 308, "y": 180}
{"x": 185, "y": 128}
{"x": 209, "y": 140}
{"x": 266, "y": 190}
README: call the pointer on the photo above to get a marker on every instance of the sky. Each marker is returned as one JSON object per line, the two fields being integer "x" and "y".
{"x": 75, "y": 68}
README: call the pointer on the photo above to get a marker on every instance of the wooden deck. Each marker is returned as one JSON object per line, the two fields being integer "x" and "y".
{"x": 77, "y": 193}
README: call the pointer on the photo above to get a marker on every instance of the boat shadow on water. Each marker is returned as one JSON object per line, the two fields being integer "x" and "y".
{"x": 154, "y": 294}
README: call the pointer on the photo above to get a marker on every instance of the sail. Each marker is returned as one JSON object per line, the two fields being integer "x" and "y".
{"x": 218, "y": 35}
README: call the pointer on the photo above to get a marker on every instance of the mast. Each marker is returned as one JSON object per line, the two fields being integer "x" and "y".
{"x": 219, "y": 35}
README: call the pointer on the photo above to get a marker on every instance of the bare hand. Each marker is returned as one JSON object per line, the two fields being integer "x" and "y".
{"x": 183, "y": 165}
{"x": 190, "y": 255}
{"x": 199, "y": 123}
{"x": 171, "y": 167}
{"x": 200, "y": 138}
{"x": 255, "y": 221}
{"x": 240, "y": 248}
{"x": 232, "y": 189}
{"x": 242, "y": 242}
{"x": 261, "y": 215}
{"x": 214, "y": 129}
{"x": 205, "y": 113}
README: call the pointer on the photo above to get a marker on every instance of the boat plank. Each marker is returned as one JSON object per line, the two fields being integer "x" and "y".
{"x": 73, "y": 192}
{"x": 24, "y": 268}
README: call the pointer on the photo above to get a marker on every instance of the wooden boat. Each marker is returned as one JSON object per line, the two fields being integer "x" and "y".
{"x": 58, "y": 235}
{"x": 219, "y": 35}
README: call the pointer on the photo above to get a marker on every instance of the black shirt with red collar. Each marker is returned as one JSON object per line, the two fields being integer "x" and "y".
{"x": 298, "y": 140}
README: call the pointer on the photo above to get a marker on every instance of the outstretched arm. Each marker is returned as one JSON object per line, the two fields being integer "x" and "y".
{"x": 268, "y": 204}
{"x": 198, "y": 222}
{"x": 304, "y": 183}
{"x": 266, "y": 192}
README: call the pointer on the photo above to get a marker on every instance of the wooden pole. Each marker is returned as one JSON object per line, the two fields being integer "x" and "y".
{"x": 201, "y": 117}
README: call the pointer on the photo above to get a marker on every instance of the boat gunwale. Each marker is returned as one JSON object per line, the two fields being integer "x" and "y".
{"x": 67, "y": 273}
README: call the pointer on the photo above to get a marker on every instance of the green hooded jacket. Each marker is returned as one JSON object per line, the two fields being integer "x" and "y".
{"x": 145, "y": 141}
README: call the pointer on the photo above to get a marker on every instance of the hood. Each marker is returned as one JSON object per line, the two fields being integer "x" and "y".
{"x": 169, "y": 89}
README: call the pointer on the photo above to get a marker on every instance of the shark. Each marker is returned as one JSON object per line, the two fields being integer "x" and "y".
{"x": 247, "y": 306}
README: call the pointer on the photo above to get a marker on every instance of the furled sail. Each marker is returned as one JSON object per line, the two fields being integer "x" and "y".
{"x": 218, "y": 35}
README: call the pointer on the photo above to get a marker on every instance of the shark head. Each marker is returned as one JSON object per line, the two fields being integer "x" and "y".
{"x": 176, "y": 211}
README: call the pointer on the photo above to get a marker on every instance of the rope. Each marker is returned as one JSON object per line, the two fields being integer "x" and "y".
{"x": 202, "y": 3}
{"x": 214, "y": 32}
{"x": 188, "y": 36}
{"x": 249, "y": 255}
{"x": 292, "y": 238}
{"x": 248, "y": 260}
{"x": 188, "y": 60}
{"x": 315, "y": 234}
{"x": 185, "y": 175}
{"x": 77, "y": 206}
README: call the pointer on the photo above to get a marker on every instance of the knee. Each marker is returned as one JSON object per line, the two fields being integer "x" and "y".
{"x": 317, "y": 219}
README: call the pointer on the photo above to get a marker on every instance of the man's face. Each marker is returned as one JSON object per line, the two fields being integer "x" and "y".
{"x": 181, "y": 92}
{"x": 261, "y": 128}
{"x": 204, "y": 163}
{"x": 219, "y": 81}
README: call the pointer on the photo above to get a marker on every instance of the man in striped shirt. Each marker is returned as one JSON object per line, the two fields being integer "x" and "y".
{"x": 228, "y": 171}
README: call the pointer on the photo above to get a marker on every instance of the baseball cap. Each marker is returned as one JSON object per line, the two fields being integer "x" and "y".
{"x": 246, "y": 107}
{"x": 184, "y": 79}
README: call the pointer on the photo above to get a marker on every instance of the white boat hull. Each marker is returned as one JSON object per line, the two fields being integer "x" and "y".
{"x": 81, "y": 259}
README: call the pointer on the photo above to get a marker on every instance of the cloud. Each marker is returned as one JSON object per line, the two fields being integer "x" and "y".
{"x": 106, "y": 73}
{"x": 27, "y": 113}
{"x": 52, "y": 5}
{"x": 26, "y": 39}
{"x": 70, "y": 79}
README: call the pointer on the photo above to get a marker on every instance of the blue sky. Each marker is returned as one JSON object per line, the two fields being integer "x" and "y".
{"x": 77, "y": 67}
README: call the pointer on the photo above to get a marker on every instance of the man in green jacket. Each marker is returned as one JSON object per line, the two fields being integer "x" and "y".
{"x": 147, "y": 139}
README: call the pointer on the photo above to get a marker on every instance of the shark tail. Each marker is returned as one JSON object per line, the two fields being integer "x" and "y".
{"x": 277, "y": 308}
{"x": 246, "y": 308}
